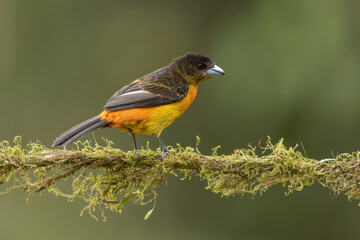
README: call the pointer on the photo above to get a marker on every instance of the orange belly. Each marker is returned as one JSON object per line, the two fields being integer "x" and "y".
{"x": 149, "y": 120}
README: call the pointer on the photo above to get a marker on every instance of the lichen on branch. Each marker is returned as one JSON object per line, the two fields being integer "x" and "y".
{"x": 106, "y": 177}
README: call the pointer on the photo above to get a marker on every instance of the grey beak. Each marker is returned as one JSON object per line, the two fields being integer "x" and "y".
{"x": 216, "y": 70}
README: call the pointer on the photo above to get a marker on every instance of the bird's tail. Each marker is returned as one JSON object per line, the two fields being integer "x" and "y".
{"x": 79, "y": 131}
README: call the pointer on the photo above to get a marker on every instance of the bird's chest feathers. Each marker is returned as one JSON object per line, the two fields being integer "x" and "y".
{"x": 163, "y": 116}
{"x": 174, "y": 110}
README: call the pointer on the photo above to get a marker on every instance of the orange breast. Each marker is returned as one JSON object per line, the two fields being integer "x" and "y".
{"x": 149, "y": 120}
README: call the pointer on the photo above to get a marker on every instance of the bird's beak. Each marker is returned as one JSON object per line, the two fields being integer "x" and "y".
{"x": 216, "y": 70}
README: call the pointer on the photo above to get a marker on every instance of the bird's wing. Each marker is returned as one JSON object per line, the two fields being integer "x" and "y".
{"x": 154, "y": 89}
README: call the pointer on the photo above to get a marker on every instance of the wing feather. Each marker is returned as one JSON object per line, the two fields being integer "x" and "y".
{"x": 155, "y": 89}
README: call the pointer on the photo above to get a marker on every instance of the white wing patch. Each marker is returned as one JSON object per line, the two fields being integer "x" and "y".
{"x": 136, "y": 92}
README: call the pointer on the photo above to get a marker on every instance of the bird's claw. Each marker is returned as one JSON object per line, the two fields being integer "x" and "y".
{"x": 137, "y": 154}
{"x": 164, "y": 151}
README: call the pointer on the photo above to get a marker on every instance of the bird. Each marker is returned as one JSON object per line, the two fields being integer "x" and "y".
{"x": 150, "y": 103}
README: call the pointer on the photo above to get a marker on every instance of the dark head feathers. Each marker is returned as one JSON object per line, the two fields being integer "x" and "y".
{"x": 194, "y": 59}
{"x": 193, "y": 65}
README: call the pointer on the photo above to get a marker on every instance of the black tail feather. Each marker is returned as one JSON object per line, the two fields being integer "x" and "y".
{"x": 79, "y": 131}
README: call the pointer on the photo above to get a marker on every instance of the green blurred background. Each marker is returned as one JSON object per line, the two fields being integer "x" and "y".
{"x": 293, "y": 71}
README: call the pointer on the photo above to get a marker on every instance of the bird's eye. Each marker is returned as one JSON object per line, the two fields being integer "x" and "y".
{"x": 201, "y": 66}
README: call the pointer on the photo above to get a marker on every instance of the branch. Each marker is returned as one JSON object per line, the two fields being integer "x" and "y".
{"x": 101, "y": 175}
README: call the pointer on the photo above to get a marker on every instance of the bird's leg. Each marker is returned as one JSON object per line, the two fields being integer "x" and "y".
{"x": 135, "y": 147}
{"x": 164, "y": 149}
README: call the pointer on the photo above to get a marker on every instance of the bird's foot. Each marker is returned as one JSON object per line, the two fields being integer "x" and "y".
{"x": 164, "y": 151}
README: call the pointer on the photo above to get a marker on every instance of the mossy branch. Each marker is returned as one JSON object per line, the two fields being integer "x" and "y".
{"x": 108, "y": 177}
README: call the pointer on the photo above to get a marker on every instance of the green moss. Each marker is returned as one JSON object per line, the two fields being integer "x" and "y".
{"x": 106, "y": 177}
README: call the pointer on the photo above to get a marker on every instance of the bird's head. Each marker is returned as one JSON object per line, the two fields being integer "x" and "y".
{"x": 196, "y": 68}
